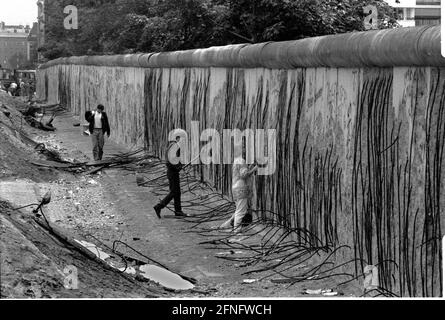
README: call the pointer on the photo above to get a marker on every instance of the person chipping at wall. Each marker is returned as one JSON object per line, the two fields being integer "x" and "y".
{"x": 241, "y": 193}
{"x": 98, "y": 127}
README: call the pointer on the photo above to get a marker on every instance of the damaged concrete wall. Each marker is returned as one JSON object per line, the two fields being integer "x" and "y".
{"x": 360, "y": 122}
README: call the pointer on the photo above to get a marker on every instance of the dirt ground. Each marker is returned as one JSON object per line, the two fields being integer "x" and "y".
{"x": 101, "y": 209}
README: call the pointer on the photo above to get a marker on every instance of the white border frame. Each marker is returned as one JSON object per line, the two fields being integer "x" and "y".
{"x": 442, "y": 27}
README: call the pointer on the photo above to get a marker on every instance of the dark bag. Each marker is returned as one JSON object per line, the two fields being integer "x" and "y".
{"x": 88, "y": 115}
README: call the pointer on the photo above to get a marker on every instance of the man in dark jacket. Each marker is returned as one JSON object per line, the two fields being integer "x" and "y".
{"x": 175, "y": 188}
{"x": 98, "y": 127}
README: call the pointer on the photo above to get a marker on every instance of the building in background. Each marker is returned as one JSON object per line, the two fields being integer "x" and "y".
{"x": 406, "y": 11}
{"x": 417, "y": 12}
{"x": 427, "y": 12}
{"x": 40, "y": 26}
{"x": 32, "y": 54}
{"x": 14, "y": 46}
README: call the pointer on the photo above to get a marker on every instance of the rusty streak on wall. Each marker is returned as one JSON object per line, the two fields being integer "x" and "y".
{"x": 360, "y": 131}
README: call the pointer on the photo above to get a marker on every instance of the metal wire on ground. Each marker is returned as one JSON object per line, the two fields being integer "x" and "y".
{"x": 274, "y": 249}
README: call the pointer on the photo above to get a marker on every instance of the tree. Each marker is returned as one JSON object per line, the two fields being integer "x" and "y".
{"x": 126, "y": 26}
{"x": 278, "y": 20}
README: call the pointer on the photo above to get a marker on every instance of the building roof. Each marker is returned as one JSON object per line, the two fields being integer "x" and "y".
{"x": 13, "y": 35}
{"x": 33, "y": 33}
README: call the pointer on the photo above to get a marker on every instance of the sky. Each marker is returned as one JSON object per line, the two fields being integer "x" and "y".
{"x": 14, "y": 12}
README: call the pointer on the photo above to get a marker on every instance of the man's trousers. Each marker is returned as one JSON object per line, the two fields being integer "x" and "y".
{"x": 175, "y": 191}
{"x": 98, "y": 144}
{"x": 236, "y": 220}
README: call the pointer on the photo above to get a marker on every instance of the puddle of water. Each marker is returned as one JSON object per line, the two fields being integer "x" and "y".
{"x": 154, "y": 273}
{"x": 94, "y": 249}
{"x": 165, "y": 278}
{"x": 129, "y": 270}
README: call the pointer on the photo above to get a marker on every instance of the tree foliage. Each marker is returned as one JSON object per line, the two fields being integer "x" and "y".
{"x": 129, "y": 26}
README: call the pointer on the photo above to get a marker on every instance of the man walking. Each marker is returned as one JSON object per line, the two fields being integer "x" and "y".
{"x": 98, "y": 127}
{"x": 174, "y": 186}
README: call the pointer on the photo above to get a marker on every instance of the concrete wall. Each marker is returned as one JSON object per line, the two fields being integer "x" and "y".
{"x": 360, "y": 149}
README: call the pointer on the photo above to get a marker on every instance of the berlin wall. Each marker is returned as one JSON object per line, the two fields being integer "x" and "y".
{"x": 360, "y": 122}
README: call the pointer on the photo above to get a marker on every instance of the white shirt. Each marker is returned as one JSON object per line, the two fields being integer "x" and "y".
{"x": 97, "y": 120}
{"x": 240, "y": 180}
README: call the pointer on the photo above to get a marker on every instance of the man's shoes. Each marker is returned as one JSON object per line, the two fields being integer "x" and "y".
{"x": 228, "y": 225}
{"x": 180, "y": 214}
{"x": 237, "y": 237}
{"x": 158, "y": 211}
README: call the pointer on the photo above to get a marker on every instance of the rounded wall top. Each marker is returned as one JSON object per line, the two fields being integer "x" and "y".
{"x": 414, "y": 46}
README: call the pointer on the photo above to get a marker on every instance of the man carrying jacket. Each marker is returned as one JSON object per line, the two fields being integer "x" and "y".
{"x": 98, "y": 127}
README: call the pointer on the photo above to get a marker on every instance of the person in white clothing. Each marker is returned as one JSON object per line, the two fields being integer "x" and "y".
{"x": 12, "y": 89}
{"x": 241, "y": 192}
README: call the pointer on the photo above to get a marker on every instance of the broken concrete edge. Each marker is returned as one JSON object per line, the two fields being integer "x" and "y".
{"x": 414, "y": 46}
{"x": 14, "y": 244}
{"x": 97, "y": 165}
{"x": 60, "y": 236}
{"x": 57, "y": 165}
{"x": 56, "y": 231}
{"x": 21, "y": 133}
{"x": 100, "y": 165}
{"x": 75, "y": 243}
